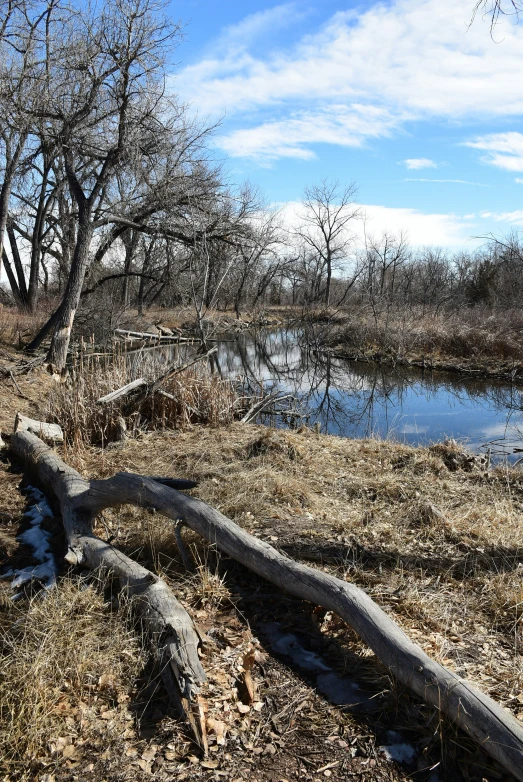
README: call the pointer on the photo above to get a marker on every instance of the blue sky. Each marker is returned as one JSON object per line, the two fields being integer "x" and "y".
{"x": 422, "y": 110}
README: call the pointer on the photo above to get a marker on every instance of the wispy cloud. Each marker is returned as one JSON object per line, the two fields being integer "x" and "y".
{"x": 347, "y": 126}
{"x": 518, "y": 180}
{"x": 453, "y": 181}
{"x": 512, "y": 218}
{"x": 504, "y": 150}
{"x": 355, "y": 59}
{"x": 419, "y": 162}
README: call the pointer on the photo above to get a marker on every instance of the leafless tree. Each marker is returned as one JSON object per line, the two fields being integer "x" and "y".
{"x": 328, "y": 211}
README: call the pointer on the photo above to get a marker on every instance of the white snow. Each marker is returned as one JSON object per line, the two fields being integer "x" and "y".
{"x": 400, "y": 753}
{"x": 39, "y": 540}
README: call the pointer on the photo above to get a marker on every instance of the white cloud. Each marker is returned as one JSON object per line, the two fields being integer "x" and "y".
{"x": 422, "y": 228}
{"x": 512, "y": 218}
{"x": 453, "y": 181}
{"x": 343, "y": 125}
{"x": 417, "y": 58}
{"x": 255, "y": 25}
{"x": 504, "y": 150}
{"x": 419, "y": 162}
{"x": 518, "y": 180}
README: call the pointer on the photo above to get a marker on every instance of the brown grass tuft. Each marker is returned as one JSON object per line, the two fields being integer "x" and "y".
{"x": 66, "y": 659}
{"x": 199, "y": 398}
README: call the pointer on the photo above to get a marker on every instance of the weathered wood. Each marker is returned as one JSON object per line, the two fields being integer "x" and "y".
{"x": 494, "y": 728}
{"x": 51, "y": 432}
{"x": 167, "y": 622}
{"x": 151, "y": 335}
{"x": 122, "y": 391}
{"x": 171, "y": 372}
{"x": 259, "y": 406}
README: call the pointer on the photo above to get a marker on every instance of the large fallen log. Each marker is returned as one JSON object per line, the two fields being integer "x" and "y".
{"x": 494, "y": 728}
{"x": 166, "y": 621}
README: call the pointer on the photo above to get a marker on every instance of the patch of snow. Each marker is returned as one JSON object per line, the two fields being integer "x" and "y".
{"x": 39, "y": 540}
{"x": 400, "y": 753}
{"x": 289, "y": 645}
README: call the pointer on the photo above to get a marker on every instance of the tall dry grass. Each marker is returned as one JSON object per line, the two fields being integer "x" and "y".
{"x": 17, "y": 327}
{"x": 65, "y": 660}
{"x": 470, "y": 333}
{"x": 198, "y": 397}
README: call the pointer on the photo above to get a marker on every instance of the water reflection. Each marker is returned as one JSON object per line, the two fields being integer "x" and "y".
{"x": 356, "y": 399}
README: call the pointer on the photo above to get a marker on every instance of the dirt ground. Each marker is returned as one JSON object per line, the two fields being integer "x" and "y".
{"x": 433, "y": 536}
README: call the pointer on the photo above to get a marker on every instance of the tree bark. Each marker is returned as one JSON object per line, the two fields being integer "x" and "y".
{"x": 65, "y": 316}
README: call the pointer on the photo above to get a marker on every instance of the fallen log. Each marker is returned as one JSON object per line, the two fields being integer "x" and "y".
{"x": 494, "y": 728}
{"x": 150, "y": 335}
{"x": 50, "y": 432}
{"x": 168, "y": 624}
{"x": 122, "y": 391}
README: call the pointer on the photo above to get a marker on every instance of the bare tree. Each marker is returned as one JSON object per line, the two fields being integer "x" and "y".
{"x": 328, "y": 211}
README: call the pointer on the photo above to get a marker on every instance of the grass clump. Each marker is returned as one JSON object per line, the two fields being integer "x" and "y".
{"x": 66, "y": 661}
{"x": 195, "y": 397}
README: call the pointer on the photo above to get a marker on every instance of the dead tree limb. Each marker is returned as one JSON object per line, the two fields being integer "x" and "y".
{"x": 167, "y": 622}
{"x": 120, "y": 392}
{"x": 494, "y": 728}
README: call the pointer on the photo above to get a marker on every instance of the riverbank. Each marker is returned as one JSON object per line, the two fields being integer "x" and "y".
{"x": 474, "y": 341}
{"x": 430, "y": 533}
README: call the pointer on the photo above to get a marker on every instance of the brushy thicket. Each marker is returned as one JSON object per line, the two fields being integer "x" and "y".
{"x": 472, "y": 333}
{"x": 199, "y": 397}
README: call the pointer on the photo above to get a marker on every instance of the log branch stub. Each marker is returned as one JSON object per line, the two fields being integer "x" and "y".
{"x": 43, "y": 430}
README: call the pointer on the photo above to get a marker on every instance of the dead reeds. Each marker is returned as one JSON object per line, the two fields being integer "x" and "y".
{"x": 193, "y": 396}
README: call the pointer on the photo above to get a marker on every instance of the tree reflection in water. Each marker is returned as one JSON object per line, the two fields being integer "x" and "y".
{"x": 358, "y": 399}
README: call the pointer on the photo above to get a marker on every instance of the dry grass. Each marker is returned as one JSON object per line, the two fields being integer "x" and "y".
{"x": 199, "y": 398}
{"x": 17, "y": 327}
{"x": 473, "y": 334}
{"x": 67, "y": 660}
{"x": 359, "y": 508}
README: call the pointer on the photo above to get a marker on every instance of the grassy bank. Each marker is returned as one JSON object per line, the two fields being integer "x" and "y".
{"x": 473, "y": 340}
{"x": 429, "y": 533}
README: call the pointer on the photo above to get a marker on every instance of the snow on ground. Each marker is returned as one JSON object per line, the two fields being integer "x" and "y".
{"x": 39, "y": 540}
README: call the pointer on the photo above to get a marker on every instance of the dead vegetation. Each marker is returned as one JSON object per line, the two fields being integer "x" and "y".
{"x": 64, "y": 694}
{"x": 193, "y": 396}
{"x": 472, "y": 336}
{"x": 362, "y": 510}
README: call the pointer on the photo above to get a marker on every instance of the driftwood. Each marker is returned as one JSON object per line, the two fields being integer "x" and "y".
{"x": 494, "y": 728}
{"x": 120, "y": 392}
{"x": 51, "y": 432}
{"x": 167, "y": 622}
{"x": 259, "y": 406}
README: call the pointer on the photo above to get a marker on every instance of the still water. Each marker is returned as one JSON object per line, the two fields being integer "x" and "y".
{"x": 356, "y": 399}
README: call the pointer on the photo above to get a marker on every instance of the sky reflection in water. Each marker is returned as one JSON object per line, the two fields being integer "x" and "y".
{"x": 355, "y": 399}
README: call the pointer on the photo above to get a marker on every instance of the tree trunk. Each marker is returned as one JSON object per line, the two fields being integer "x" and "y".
{"x": 65, "y": 317}
{"x": 166, "y": 621}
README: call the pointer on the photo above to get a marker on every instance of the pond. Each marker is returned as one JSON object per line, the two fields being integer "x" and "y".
{"x": 356, "y": 399}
